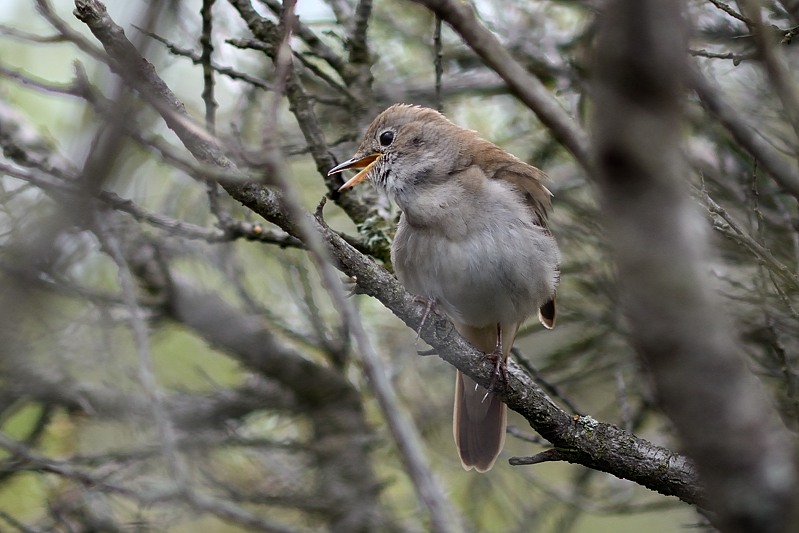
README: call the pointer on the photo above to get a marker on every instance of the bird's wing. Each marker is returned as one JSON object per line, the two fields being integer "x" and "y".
{"x": 527, "y": 179}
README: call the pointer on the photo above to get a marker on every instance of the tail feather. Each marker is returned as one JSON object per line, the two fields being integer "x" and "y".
{"x": 478, "y": 425}
{"x": 479, "y": 417}
{"x": 546, "y": 314}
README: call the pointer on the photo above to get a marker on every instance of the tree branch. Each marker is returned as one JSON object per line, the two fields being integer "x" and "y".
{"x": 725, "y": 423}
{"x": 745, "y": 134}
{"x": 600, "y": 446}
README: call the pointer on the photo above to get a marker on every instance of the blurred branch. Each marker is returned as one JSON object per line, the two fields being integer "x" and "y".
{"x": 734, "y": 230}
{"x": 730, "y": 11}
{"x": 153, "y": 393}
{"x": 317, "y": 47}
{"x": 63, "y": 29}
{"x": 781, "y": 79}
{"x": 197, "y": 59}
{"x": 147, "y": 497}
{"x": 233, "y": 230}
{"x": 302, "y": 107}
{"x": 142, "y": 76}
{"x": 676, "y": 322}
{"x": 745, "y": 134}
{"x": 792, "y": 7}
{"x": 438, "y": 64}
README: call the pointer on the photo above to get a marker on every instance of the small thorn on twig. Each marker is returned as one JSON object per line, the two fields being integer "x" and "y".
{"x": 320, "y": 207}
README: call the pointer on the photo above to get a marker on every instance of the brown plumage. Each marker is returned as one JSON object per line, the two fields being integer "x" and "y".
{"x": 472, "y": 237}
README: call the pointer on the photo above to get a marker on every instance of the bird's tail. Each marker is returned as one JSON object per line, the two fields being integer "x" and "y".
{"x": 479, "y": 417}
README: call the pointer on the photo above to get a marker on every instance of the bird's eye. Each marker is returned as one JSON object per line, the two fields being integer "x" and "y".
{"x": 386, "y": 138}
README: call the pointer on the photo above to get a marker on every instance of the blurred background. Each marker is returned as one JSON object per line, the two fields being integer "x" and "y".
{"x": 169, "y": 361}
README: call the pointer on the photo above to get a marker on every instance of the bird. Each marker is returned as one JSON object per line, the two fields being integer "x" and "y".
{"x": 472, "y": 239}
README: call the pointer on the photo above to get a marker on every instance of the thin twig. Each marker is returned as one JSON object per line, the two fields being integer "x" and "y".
{"x": 744, "y": 133}
{"x": 731, "y": 12}
{"x": 438, "y": 61}
{"x": 166, "y": 431}
{"x": 735, "y": 58}
{"x": 207, "y": 45}
{"x": 526, "y": 437}
{"x": 149, "y": 497}
{"x": 781, "y": 78}
{"x": 212, "y": 189}
{"x": 196, "y": 58}
{"x": 529, "y": 89}
{"x": 551, "y": 388}
{"x": 754, "y": 247}
{"x": 318, "y": 48}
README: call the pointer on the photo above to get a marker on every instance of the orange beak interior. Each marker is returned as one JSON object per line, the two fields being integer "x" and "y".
{"x": 364, "y": 163}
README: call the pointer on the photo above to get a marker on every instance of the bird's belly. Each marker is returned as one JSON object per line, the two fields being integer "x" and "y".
{"x": 482, "y": 279}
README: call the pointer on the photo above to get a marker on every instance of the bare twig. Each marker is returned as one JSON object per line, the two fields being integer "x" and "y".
{"x": 197, "y": 59}
{"x": 147, "y": 497}
{"x": 551, "y": 388}
{"x": 438, "y": 62}
{"x": 730, "y": 11}
{"x": 207, "y": 45}
{"x": 755, "y": 248}
{"x": 781, "y": 78}
{"x": 744, "y": 133}
{"x": 154, "y": 394}
{"x": 526, "y": 87}
{"x": 553, "y": 454}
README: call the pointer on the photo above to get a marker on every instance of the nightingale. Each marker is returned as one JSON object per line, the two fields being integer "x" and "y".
{"x": 472, "y": 240}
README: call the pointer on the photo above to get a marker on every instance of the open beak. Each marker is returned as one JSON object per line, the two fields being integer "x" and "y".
{"x": 365, "y": 163}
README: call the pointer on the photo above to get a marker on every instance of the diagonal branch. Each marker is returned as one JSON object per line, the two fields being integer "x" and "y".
{"x": 596, "y": 445}
{"x": 768, "y": 159}
{"x": 141, "y": 75}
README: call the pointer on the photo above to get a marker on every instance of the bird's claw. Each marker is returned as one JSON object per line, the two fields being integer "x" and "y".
{"x": 500, "y": 369}
{"x": 430, "y": 306}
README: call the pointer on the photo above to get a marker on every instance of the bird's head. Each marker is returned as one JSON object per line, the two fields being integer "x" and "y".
{"x": 403, "y": 147}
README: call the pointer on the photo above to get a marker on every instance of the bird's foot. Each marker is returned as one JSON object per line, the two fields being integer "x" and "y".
{"x": 351, "y": 287}
{"x": 430, "y": 306}
{"x": 500, "y": 369}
